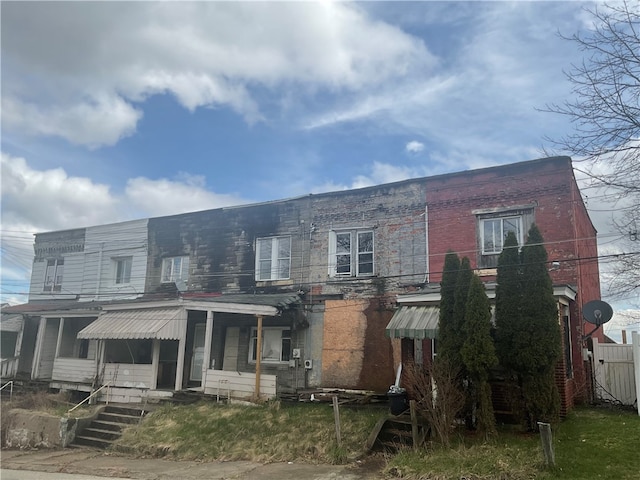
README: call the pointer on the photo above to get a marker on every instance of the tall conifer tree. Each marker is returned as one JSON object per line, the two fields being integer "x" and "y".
{"x": 508, "y": 304}
{"x": 447, "y": 334}
{"x": 540, "y": 316}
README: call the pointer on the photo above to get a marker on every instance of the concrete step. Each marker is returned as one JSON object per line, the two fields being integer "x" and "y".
{"x": 101, "y": 434}
{"x": 88, "y": 441}
{"x": 119, "y": 418}
{"x": 108, "y": 425}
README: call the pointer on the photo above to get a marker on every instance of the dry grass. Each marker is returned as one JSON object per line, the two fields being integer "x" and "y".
{"x": 268, "y": 433}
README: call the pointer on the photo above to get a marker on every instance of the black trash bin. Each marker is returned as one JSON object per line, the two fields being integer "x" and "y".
{"x": 398, "y": 402}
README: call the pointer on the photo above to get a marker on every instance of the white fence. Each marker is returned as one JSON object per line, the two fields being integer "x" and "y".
{"x": 614, "y": 372}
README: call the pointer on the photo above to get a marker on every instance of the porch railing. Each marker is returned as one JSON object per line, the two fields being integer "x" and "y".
{"x": 10, "y": 385}
{"x": 8, "y": 367}
{"x": 95, "y": 393}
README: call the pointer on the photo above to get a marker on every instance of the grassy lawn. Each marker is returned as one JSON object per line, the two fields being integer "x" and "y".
{"x": 593, "y": 443}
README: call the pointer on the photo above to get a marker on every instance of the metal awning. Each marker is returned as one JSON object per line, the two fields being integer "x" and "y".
{"x": 154, "y": 323}
{"x": 417, "y": 322}
{"x": 10, "y": 322}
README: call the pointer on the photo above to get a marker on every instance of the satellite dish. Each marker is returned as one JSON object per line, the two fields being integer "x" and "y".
{"x": 597, "y": 312}
{"x": 181, "y": 285}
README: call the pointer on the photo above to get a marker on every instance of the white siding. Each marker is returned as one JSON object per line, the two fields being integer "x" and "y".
{"x": 71, "y": 278}
{"x": 104, "y": 244}
{"x": 73, "y": 370}
{"x": 129, "y": 375}
{"x": 238, "y": 385}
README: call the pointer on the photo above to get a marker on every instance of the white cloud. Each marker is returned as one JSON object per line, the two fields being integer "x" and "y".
{"x": 414, "y": 146}
{"x": 102, "y": 120}
{"x": 47, "y": 200}
{"x": 73, "y": 69}
{"x": 168, "y": 197}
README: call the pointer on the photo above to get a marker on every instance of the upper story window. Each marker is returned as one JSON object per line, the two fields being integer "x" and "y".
{"x": 122, "y": 268}
{"x": 493, "y": 227}
{"x": 495, "y": 230}
{"x": 273, "y": 258}
{"x": 53, "y": 275}
{"x": 351, "y": 253}
{"x": 175, "y": 269}
{"x": 276, "y": 345}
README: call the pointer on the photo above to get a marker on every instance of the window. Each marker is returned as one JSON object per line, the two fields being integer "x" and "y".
{"x": 351, "y": 253}
{"x": 276, "y": 345}
{"x": 122, "y": 267}
{"x": 53, "y": 275}
{"x": 175, "y": 269}
{"x": 273, "y": 258}
{"x": 495, "y": 230}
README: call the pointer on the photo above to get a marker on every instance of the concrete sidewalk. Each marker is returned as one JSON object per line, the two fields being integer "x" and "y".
{"x": 102, "y": 464}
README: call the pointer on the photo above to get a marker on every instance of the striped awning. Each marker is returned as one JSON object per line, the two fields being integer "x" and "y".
{"x": 154, "y": 323}
{"x": 417, "y": 322}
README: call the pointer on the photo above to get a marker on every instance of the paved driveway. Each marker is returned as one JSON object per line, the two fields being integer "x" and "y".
{"x": 101, "y": 464}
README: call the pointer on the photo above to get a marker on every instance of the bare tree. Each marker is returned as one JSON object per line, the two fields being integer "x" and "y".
{"x": 605, "y": 113}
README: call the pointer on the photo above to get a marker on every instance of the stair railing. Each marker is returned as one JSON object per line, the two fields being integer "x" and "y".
{"x": 10, "y": 385}
{"x": 106, "y": 385}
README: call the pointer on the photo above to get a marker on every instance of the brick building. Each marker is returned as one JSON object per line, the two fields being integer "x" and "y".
{"x": 314, "y": 283}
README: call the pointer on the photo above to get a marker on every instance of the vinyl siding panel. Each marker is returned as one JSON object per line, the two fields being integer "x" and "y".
{"x": 105, "y": 245}
{"x": 73, "y": 370}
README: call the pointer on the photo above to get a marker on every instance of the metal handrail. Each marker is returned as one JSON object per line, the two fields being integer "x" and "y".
{"x": 10, "y": 384}
{"x": 106, "y": 385}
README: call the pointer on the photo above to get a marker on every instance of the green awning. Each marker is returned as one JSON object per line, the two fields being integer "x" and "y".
{"x": 417, "y": 322}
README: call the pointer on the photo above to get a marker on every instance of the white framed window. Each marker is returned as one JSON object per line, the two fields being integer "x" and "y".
{"x": 122, "y": 270}
{"x": 351, "y": 253}
{"x": 493, "y": 231}
{"x": 53, "y": 275}
{"x": 273, "y": 258}
{"x": 276, "y": 345}
{"x": 175, "y": 269}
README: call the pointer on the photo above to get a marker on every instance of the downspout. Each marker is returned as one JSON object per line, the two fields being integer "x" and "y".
{"x": 98, "y": 279}
{"x": 426, "y": 242}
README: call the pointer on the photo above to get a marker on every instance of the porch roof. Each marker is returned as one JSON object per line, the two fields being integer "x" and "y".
{"x": 10, "y": 322}
{"x": 154, "y": 323}
{"x": 417, "y": 322}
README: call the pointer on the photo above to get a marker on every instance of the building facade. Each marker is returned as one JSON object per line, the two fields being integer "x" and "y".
{"x": 299, "y": 293}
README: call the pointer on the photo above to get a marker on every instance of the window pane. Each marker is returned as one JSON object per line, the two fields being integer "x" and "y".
{"x": 343, "y": 263}
{"x": 343, "y": 243}
{"x": 166, "y": 270}
{"x": 265, "y": 269}
{"x": 365, "y": 242}
{"x": 283, "y": 269}
{"x": 264, "y": 247}
{"x": 271, "y": 345}
{"x": 177, "y": 269}
{"x": 490, "y": 228}
{"x": 365, "y": 263}
{"x": 511, "y": 225}
{"x": 284, "y": 247}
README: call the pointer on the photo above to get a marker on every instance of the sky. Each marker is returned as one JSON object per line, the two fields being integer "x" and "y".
{"x": 114, "y": 111}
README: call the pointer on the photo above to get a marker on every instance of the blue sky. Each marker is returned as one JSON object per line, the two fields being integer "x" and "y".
{"x": 113, "y": 111}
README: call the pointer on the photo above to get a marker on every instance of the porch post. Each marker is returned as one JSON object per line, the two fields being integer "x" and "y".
{"x": 206, "y": 361}
{"x": 35, "y": 364}
{"x": 182, "y": 344}
{"x": 59, "y": 341}
{"x": 258, "y": 356}
{"x": 155, "y": 361}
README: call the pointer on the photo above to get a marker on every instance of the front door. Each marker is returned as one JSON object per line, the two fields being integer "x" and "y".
{"x": 198, "y": 353}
